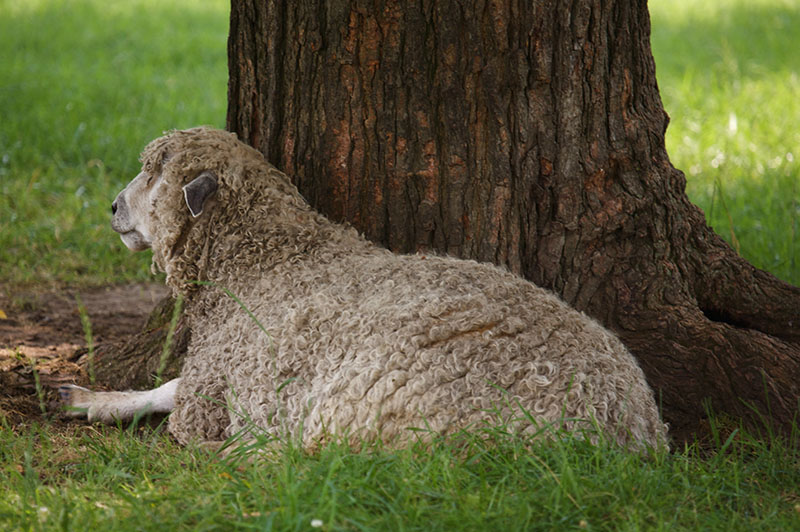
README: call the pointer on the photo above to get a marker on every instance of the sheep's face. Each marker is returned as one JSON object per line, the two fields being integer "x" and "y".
{"x": 131, "y": 211}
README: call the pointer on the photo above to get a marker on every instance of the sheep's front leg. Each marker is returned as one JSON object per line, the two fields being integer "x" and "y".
{"x": 111, "y": 406}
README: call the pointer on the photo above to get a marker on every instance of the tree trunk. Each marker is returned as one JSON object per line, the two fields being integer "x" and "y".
{"x": 139, "y": 361}
{"x": 529, "y": 134}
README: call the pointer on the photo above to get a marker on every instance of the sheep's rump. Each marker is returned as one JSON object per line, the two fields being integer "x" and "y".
{"x": 375, "y": 344}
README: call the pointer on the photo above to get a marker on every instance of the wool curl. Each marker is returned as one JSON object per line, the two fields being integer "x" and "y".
{"x": 361, "y": 342}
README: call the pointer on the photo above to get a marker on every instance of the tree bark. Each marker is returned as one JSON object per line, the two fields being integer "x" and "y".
{"x": 139, "y": 361}
{"x": 529, "y": 134}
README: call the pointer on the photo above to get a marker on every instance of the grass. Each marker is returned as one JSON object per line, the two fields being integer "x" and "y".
{"x": 729, "y": 75}
{"x": 103, "y": 478}
{"x": 85, "y": 84}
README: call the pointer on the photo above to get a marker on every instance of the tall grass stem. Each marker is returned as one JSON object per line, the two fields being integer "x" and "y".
{"x": 87, "y": 333}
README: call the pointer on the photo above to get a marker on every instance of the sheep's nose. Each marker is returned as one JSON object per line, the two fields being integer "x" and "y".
{"x": 114, "y": 207}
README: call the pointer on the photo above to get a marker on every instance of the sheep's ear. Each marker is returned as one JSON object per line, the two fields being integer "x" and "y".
{"x": 198, "y": 191}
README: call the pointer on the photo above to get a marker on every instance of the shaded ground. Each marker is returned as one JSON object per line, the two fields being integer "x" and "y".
{"x": 42, "y": 340}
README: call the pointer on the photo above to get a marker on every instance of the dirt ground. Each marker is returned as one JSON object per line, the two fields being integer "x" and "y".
{"x": 43, "y": 340}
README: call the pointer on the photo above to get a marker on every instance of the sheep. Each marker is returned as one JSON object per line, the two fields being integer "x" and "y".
{"x": 360, "y": 342}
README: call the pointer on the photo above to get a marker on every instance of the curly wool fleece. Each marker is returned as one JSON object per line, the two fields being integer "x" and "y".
{"x": 361, "y": 341}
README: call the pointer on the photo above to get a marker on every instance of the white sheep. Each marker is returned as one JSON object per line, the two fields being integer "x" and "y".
{"x": 361, "y": 342}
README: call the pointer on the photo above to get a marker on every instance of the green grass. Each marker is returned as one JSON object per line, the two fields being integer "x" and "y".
{"x": 103, "y": 478}
{"x": 84, "y": 85}
{"x": 729, "y": 75}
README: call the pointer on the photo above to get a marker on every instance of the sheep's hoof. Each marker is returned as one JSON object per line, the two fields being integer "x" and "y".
{"x": 75, "y": 400}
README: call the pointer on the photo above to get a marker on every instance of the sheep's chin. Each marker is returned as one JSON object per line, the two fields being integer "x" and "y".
{"x": 134, "y": 240}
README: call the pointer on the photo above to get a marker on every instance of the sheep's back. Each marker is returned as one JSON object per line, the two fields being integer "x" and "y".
{"x": 379, "y": 343}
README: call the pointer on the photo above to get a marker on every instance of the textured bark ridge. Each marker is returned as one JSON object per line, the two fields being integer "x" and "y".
{"x": 135, "y": 363}
{"x": 529, "y": 134}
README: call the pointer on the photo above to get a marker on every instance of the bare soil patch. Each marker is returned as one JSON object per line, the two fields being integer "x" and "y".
{"x": 43, "y": 342}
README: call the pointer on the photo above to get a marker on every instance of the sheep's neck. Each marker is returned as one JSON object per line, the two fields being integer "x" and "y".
{"x": 240, "y": 256}
{"x": 231, "y": 249}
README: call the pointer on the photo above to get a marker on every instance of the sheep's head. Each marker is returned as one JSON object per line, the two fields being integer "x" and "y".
{"x": 183, "y": 175}
{"x": 199, "y": 190}
{"x": 133, "y": 209}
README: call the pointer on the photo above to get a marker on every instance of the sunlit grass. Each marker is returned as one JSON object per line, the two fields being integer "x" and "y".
{"x": 729, "y": 75}
{"x": 84, "y": 85}
{"x": 105, "y": 478}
